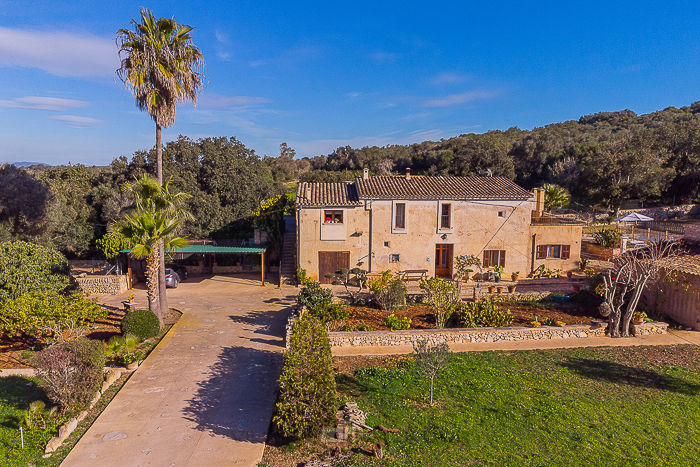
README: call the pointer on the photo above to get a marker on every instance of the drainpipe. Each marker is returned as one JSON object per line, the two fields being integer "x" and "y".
{"x": 298, "y": 229}
{"x": 369, "y": 255}
{"x": 534, "y": 248}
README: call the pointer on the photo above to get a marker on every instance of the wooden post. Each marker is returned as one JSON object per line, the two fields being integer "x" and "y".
{"x": 262, "y": 266}
{"x": 129, "y": 280}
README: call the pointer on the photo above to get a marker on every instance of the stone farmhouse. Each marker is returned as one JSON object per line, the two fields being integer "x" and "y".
{"x": 416, "y": 223}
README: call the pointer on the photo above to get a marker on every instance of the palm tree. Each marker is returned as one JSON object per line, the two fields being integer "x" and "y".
{"x": 555, "y": 196}
{"x": 161, "y": 66}
{"x": 147, "y": 231}
{"x": 150, "y": 196}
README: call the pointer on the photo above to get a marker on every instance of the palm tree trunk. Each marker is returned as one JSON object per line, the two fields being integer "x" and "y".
{"x": 152, "y": 285}
{"x": 162, "y": 296}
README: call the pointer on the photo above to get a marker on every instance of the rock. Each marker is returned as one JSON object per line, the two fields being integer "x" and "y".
{"x": 53, "y": 444}
{"x": 81, "y": 416}
{"x": 378, "y": 451}
{"x": 95, "y": 399}
{"x": 113, "y": 375}
{"x": 67, "y": 428}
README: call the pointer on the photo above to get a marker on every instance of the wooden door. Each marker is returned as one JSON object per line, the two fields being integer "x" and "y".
{"x": 330, "y": 262}
{"x": 443, "y": 260}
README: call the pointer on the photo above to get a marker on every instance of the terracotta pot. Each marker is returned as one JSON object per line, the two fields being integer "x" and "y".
{"x": 638, "y": 320}
{"x": 499, "y": 289}
{"x": 511, "y": 288}
{"x": 576, "y": 288}
{"x": 491, "y": 287}
{"x": 569, "y": 274}
{"x": 514, "y": 277}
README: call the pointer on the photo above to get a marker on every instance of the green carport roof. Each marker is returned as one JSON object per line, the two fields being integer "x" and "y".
{"x": 215, "y": 249}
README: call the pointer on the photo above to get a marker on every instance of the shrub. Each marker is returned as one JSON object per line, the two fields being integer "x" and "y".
{"x": 28, "y": 269}
{"x": 143, "y": 324}
{"x": 112, "y": 243}
{"x": 50, "y": 317}
{"x": 484, "y": 313}
{"x": 307, "y": 395}
{"x": 392, "y": 295}
{"x": 375, "y": 284}
{"x": 71, "y": 372}
{"x": 397, "y": 324}
{"x": 302, "y": 276}
{"x": 327, "y": 312}
{"x": 313, "y": 295}
{"x": 443, "y": 296}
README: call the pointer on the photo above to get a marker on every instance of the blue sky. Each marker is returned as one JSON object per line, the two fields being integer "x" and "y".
{"x": 319, "y": 75}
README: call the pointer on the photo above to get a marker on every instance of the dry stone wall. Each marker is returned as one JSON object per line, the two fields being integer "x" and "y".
{"x": 475, "y": 335}
{"x": 102, "y": 285}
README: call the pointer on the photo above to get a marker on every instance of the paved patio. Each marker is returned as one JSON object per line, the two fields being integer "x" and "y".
{"x": 204, "y": 397}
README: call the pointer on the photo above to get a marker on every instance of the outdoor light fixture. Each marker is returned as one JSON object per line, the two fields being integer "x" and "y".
{"x": 444, "y": 236}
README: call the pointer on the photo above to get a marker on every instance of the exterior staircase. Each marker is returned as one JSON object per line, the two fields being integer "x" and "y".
{"x": 288, "y": 268}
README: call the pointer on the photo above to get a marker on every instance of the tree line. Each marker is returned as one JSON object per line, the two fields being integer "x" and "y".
{"x": 69, "y": 207}
{"x": 601, "y": 159}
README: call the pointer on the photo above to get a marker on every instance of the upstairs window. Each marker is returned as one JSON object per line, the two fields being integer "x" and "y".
{"x": 445, "y": 216}
{"x": 332, "y": 217}
{"x": 400, "y": 216}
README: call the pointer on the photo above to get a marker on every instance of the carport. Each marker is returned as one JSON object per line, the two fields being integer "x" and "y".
{"x": 213, "y": 250}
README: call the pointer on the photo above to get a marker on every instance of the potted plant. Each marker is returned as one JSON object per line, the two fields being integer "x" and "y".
{"x": 497, "y": 273}
{"x": 131, "y": 360}
{"x": 569, "y": 274}
{"x": 499, "y": 290}
{"x": 491, "y": 288}
{"x": 639, "y": 317}
{"x": 130, "y": 299}
{"x": 514, "y": 276}
{"x": 576, "y": 287}
{"x": 511, "y": 288}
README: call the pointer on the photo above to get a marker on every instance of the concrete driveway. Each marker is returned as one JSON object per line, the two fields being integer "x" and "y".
{"x": 204, "y": 396}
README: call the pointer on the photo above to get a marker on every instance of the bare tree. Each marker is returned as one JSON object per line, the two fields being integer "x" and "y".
{"x": 625, "y": 282}
{"x": 431, "y": 360}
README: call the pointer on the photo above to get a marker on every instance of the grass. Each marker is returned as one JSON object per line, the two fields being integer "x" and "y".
{"x": 15, "y": 397}
{"x": 596, "y": 407}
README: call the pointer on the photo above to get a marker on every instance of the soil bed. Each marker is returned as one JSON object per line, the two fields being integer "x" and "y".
{"x": 15, "y": 352}
{"x": 421, "y": 316}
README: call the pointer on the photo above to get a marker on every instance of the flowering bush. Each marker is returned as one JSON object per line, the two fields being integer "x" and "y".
{"x": 397, "y": 324}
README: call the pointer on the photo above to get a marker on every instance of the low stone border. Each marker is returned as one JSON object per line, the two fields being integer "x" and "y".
{"x": 111, "y": 376}
{"x": 510, "y": 296}
{"x": 474, "y": 335}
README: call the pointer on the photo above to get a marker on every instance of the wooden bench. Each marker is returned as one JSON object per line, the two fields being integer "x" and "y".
{"x": 414, "y": 274}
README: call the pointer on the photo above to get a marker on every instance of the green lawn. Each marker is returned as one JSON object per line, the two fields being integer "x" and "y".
{"x": 15, "y": 397}
{"x": 583, "y": 407}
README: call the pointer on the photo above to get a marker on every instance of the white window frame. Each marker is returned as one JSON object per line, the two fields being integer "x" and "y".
{"x": 440, "y": 228}
{"x": 394, "y": 229}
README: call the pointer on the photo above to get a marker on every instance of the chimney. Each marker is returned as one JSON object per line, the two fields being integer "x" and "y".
{"x": 408, "y": 173}
{"x": 307, "y": 191}
{"x": 539, "y": 201}
{"x": 365, "y": 174}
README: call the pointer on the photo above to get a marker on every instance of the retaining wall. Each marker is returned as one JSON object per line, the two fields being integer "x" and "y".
{"x": 102, "y": 285}
{"x": 473, "y": 335}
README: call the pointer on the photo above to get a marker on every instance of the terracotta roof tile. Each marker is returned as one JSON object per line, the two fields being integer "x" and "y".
{"x": 327, "y": 194}
{"x": 686, "y": 264}
{"x": 428, "y": 187}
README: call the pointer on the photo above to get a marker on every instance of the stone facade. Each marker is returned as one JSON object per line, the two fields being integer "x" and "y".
{"x": 368, "y": 233}
{"x": 102, "y": 285}
{"x": 475, "y": 335}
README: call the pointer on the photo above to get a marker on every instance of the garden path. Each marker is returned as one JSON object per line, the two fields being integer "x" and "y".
{"x": 204, "y": 396}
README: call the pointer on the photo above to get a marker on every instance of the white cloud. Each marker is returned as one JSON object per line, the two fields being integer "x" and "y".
{"x": 448, "y": 78}
{"x": 75, "y": 121}
{"x": 384, "y": 57}
{"x": 44, "y": 103}
{"x": 221, "y": 37}
{"x": 457, "y": 99}
{"x": 212, "y": 100}
{"x": 58, "y": 53}
{"x": 353, "y": 94}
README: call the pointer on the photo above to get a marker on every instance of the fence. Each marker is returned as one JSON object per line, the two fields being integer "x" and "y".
{"x": 653, "y": 230}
